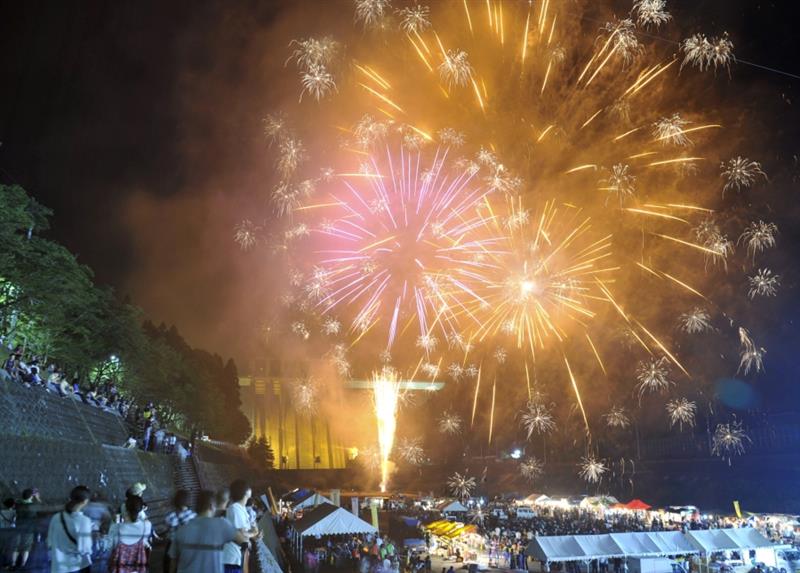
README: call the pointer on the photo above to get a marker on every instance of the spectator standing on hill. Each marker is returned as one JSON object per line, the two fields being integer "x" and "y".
{"x": 198, "y": 544}
{"x": 27, "y": 511}
{"x": 181, "y": 515}
{"x": 69, "y": 536}
{"x": 130, "y": 540}
{"x": 235, "y": 555}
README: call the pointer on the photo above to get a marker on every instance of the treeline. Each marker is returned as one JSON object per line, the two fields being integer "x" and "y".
{"x": 50, "y": 306}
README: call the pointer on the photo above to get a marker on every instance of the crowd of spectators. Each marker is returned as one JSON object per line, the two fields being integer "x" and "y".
{"x": 146, "y": 432}
{"x": 89, "y": 534}
{"x": 33, "y": 372}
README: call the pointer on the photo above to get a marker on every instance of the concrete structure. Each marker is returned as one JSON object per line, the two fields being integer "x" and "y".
{"x": 300, "y": 441}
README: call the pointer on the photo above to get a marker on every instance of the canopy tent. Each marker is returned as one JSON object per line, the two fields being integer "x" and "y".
{"x": 271, "y": 541}
{"x": 296, "y": 495}
{"x": 327, "y": 519}
{"x": 711, "y": 540}
{"x": 312, "y": 500}
{"x": 637, "y": 505}
{"x": 589, "y": 547}
{"x": 535, "y": 498}
{"x": 453, "y": 506}
{"x": 450, "y": 529}
{"x": 599, "y": 501}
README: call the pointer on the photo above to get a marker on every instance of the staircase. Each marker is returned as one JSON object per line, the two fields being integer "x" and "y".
{"x": 186, "y": 477}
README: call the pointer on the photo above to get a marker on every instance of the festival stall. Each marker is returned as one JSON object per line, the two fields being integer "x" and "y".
{"x": 327, "y": 520}
{"x": 313, "y": 500}
{"x": 732, "y": 546}
{"x": 586, "y": 548}
{"x": 451, "y": 538}
{"x": 451, "y": 507}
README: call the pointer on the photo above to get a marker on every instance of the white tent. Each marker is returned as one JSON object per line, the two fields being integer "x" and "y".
{"x": 589, "y": 547}
{"x": 453, "y": 506}
{"x": 535, "y": 498}
{"x": 711, "y": 540}
{"x": 328, "y": 519}
{"x": 312, "y": 500}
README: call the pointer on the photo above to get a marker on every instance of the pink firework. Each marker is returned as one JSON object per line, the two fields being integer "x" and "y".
{"x": 406, "y": 244}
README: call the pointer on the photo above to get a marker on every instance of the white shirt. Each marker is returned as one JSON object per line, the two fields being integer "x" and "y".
{"x": 236, "y": 514}
{"x": 130, "y": 533}
{"x": 66, "y": 556}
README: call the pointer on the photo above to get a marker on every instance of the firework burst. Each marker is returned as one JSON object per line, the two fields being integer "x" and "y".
{"x": 696, "y": 321}
{"x": 763, "y": 283}
{"x": 408, "y": 256}
{"x": 411, "y": 451}
{"x": 617, "y": 417}
{"x": 450, "y": 423}
{"x": 703, "y": 53}
{"x": 759, "y": 236}
{"x": 653, "y": 376}
{"x": 304, "y": 396}
{"x": 531, "y": 468}
{"x": 651, "y": 12}
{"x": 536, "y": 419}
{"x": 591, "y": 469}
{"x": 751, "y": 357}
{"x": 740, "y": 173}
{"x": 246, "y": 234}
{"x": 504, "y": 234}
{"x": 681, "y": 411}
{"x": 729, "y": 440}
{"x": 461, "y": 485}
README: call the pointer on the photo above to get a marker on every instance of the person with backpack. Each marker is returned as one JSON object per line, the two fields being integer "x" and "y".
{"x": 69, "y": 537}
{"x": 130, "y": 540}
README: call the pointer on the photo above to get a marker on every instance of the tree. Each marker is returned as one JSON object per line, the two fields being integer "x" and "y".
{"x": 260, "y": 452}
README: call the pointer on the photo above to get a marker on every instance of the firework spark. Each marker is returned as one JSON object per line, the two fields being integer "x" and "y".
{"x": 246, "y": 234}
{"x": 536, "y": 419}
{"x": 450, "y": 423}
{"x": 653, "y": 376}
{"x": 681, "y": 411}
{"x": 702, "y": 53}
{"x": 411, "y": 451}
{"x": 455, "y": 69}
{"x": 461, "y": 486}
{"x": 591, "y": 469}
{"x": 751, "y": 357}
{"x": 763, "y": 283}
{"x": 696, "y": 321}
{"x": 759, "y": 236}
{"x": 740, "y": 173}
{"x": 317, "y": 81}
{"x": 370, "y": 457}
{"x": 620, "y": 183}
{"x": 371, "y": 12}
{"x": 729, "y": 440}
{"x": 671, "y": 130}
{"x": 531, "y": 468}
{"x": 304, "y": 396}
{"x": 385, "y": 394}
{"x": 331, "y": 326}
{"x": 617, "y": 417}
{"x": 651, "y": 12}
{"x": 415, "y": 19}
{"x": 407, "y": 256}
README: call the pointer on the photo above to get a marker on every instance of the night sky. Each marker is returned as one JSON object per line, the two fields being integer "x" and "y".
{"x": 139, "y": 124}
